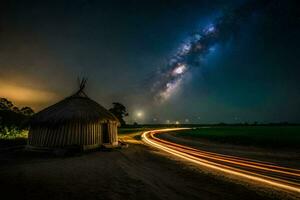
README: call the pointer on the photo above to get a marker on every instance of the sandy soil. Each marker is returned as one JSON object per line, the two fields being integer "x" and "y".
{"x": 137, "y": 172}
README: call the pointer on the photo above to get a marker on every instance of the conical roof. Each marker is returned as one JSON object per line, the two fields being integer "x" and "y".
{"x": 76, "y": 108}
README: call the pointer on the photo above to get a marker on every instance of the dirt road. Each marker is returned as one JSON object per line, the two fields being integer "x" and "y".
{"x": 137, "y": 172}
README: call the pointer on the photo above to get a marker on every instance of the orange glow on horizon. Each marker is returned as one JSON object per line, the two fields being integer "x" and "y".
{"x": 25, "y": 96}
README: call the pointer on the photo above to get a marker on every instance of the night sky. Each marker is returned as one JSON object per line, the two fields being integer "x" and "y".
{"x": 124, "y": 47}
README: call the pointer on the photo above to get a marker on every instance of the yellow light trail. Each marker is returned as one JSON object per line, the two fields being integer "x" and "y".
{"x": 273, "y": 175}
{"x": 232, "y": 159}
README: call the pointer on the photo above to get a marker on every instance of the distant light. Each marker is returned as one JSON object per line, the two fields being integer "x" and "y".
{"x": 211, "y": 29}
{"x": 177, "y": 122}
{"x": 170, "y": 88}
{"x": 139, "y": 114}
{"x": 180, "y": 69}
{"x": 187, "y": 120}
{"x": 168, "y": 121}
{"x": 185, "y": 49}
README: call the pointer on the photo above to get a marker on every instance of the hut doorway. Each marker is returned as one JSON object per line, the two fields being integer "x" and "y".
{"x": 105, "y": 134}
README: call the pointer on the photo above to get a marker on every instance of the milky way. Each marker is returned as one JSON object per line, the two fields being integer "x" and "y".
{"x": 196, "y": 47}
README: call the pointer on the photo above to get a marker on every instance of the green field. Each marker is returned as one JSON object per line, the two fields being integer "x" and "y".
{"x": 262, "y": 136}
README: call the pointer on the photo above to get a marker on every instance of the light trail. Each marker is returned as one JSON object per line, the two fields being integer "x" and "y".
{"x": 276, "y": 176}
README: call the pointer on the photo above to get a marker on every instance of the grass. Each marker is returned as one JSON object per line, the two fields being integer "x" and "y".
{"x": 13, "y": 139}
{"x": 261, "y": 136}
{"x": 11, "y": 135}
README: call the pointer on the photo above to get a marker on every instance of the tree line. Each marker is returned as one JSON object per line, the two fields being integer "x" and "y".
{"x": 12, "y": 118}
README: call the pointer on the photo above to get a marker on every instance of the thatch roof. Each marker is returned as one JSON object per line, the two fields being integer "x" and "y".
{"x": 76, "y": 108}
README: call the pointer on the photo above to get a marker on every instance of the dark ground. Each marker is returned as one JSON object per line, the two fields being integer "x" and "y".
{"x": 137, "y": 172}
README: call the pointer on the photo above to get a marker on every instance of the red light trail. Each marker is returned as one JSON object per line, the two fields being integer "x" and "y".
{"x": 267, "y": 173}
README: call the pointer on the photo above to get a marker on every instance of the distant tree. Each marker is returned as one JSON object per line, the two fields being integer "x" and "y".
{"x": 27, "y": 111}
{"x": 15, "y": 109}
{"x": 135, "y": 124}
{"x": 119, "y": 110}
{"x": 13, "y": 118}
{"x": 10, "y": 118}
{"x": 6, "y": 104}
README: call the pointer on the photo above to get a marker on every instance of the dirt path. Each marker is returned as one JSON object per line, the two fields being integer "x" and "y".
{"x": 137, "y": 172}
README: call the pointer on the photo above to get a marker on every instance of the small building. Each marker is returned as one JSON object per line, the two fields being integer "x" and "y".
{"x": 76, "y": 121}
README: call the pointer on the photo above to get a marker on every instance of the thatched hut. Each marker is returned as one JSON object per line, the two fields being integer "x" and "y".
{"x": 76, "y": 121}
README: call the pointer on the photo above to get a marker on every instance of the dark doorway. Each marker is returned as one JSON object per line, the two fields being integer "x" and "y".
{"x": 105, "y": 135}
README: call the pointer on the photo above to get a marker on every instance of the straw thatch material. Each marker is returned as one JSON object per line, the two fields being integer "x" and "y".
{"x": 75, "y": 121}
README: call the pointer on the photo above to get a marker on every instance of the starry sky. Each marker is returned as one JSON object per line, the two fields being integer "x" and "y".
{"x": 122, "y": 47}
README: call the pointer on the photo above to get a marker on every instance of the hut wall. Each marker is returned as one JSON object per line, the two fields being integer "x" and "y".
{"x": 88, "y": 135}
{"x": 113, "y": 133}
{"x": 69, "y": 134}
